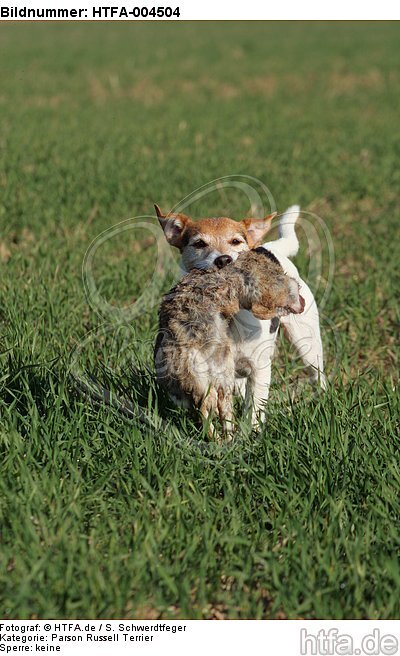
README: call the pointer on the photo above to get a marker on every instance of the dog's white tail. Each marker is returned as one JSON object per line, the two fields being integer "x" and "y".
{"x": 287, "y": 244}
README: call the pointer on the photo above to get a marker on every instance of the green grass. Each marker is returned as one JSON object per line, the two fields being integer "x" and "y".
{"x": 103, "y": 517}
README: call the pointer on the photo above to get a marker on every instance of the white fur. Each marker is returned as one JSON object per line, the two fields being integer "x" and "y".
{"x": 287, "y": 245}
{"x": 302, "y": 330}
{"x": 254, "y": 338}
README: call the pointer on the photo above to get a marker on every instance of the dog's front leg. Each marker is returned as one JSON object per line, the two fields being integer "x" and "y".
{"x": 255, "y": 342}
{"x": 257, "y": 392}
{"x": 259, "y": 352}
{"x": 241, "y": 388}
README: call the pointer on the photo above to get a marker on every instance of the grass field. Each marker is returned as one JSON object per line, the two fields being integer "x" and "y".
{"x": 103, "y": 517}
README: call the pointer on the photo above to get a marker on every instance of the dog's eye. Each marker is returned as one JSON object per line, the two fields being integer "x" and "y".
{"x": 236, "y": 242}
{"x": 199, "y": 244}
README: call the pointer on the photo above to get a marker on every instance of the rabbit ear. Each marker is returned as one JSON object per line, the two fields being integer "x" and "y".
{"x": 257, "y": 228}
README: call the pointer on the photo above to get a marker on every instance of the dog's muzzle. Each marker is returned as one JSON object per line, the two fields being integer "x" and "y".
{"x": 222, "y": 260}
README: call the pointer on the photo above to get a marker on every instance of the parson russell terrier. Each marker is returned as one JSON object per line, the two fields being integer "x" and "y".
{"x": 196, "y": 357}
{"x": 209, "y": 242}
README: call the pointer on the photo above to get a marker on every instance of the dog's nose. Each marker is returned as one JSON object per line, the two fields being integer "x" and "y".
{"x": 222, "y": 260}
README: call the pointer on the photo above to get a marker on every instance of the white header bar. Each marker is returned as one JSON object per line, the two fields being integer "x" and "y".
{"x": 134, "y": 10}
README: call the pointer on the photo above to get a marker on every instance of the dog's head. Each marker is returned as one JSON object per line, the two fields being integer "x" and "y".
{"x": 212, "y": 241}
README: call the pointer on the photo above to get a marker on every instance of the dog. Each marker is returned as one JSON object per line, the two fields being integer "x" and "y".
{"x": 196, "y": 356}
{"x": 218, "y": 241}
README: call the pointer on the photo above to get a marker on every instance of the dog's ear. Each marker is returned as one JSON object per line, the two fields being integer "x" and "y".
{"x": 173, "y": 226}
{"x": 291, "y": 303}
{"x": 160, "y": 214}
{"x": 257, "y": 228}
